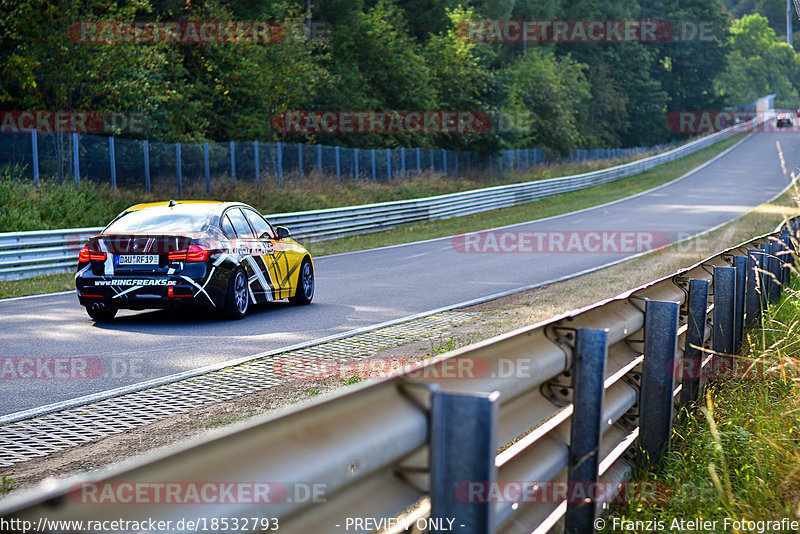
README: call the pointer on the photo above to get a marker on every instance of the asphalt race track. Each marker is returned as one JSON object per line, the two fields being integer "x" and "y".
{"x": 364, "y": 288}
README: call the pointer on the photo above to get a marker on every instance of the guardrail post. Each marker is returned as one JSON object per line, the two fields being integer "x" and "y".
{"x": 279, "y": 149}
{"x": 419, "y": 166}
{"x": 779, "y": 253}
{"x": 433, "y": 162}
{"x": 792, "y": 234}
{"x": 778, "y": 267}
{"x": 113, "y": 162}
{"x": 146, "y": 148}
{"x": 722, "y": 333}
{"x": 588, "y": 377}
{"x": 462, "y": 451}
{"x": 372, "y": 155}
{"x": 691, "y": 369}
{"x": 355, "y": 158}
{"x": 403, "y": 163}
{"x": 773, "y": 288}
{"x": 752, "y": 306}
{"x": 455, "y": 162}
{"x": 233, "y": 161}
{"x": 319, "y": 159}
{"x": 740, "y": 264}
{"x": 76, "y": 167}
{"x": 338, "y": 165}
{"x": 255, "y": 156}
{"x": 389, "y": 164}
{"x": 35, "y": 156}
{"x": 658, "y": 379}
{"x": 762, "y": 263}
{"x": 178, "y": 166}
{"x": 444, "y": 161}
{"x": 789, "y": 256}
{"x": 771, "y": 280}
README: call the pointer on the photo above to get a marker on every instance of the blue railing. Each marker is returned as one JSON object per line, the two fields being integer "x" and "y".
{"x": 135, "y": 163}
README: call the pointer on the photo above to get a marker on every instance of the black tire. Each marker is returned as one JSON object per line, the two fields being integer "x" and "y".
{"x": 237, "y": 298}
{"x": 305, "y": 284}
{"x": 101, "y": 312}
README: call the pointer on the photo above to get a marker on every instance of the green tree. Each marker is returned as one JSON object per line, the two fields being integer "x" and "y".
{"x": 243, "y": 86}
{"x": 688, "y": 64}
{"x": 759, "y": 64}
{"x": 547, "y": 98}
{"x": 47, "y": 67}
{"x": 462, "y": 78}
{"x": 377, "y": 66}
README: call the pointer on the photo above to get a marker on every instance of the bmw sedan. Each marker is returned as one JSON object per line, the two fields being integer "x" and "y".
{"x": 222, "y": 256}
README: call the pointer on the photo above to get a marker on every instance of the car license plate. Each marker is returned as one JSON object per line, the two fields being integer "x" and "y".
{"x": 142, "y": 259}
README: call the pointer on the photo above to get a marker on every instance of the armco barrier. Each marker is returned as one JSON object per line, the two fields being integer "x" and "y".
{"x": 24, "y": 254}
{"x": 572, "y": 401}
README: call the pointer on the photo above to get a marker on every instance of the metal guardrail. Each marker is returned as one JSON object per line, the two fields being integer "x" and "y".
{"x": 340, "y": 222}
{"x": 571, "y": 401}
{"x": 25, "y": 254}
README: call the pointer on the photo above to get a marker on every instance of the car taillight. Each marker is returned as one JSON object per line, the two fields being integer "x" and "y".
{"x": 193, "y": 253}
{"x": 86, "y": 255}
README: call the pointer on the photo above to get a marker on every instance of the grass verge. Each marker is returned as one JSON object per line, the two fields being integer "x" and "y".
{"x": 480, "y": 221}
{"x": 51, "y": 283}
{"x": 737, "y": 457}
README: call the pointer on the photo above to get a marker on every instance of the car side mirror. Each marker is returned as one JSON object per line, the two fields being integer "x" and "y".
{"x": 283, "y": 232}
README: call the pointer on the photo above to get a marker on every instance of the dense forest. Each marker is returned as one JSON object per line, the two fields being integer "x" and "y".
{"x": 398, "y": 55}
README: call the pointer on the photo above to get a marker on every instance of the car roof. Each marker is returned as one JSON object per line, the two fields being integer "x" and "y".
{"x": 218, "y": 205}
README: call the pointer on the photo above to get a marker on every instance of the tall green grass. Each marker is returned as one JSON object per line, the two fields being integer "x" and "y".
{"x": 738, "y": 454}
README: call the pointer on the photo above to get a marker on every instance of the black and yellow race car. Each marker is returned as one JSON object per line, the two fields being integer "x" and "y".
{"x": 219, "y": 255}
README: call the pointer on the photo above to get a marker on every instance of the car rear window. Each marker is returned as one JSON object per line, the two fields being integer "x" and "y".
{"x": 163, "y": 219}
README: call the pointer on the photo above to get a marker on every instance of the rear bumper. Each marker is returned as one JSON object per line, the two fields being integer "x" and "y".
{"x": 148, "y": 292}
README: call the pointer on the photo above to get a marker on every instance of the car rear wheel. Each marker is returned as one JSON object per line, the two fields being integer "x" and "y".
{"x": 305, "y": 284}
{"x": 237, "y": 299}
{"x": 101, "y": 312}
